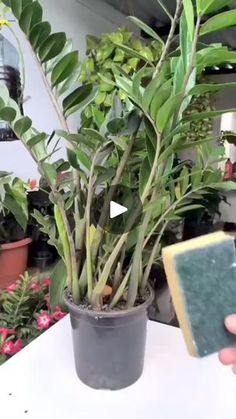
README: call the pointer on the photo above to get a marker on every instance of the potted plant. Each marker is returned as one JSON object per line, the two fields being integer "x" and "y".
{"x": 107, "y": 274}
{"x": 13, "y": 225}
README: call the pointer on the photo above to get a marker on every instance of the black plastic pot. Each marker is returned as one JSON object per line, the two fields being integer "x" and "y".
{"x": 109, "y": 348}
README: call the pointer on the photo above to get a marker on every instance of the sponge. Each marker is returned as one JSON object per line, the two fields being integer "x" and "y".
{"x": 201, "y": 274}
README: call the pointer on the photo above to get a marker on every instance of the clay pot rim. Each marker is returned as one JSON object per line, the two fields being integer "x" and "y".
{"x": 15, "y": 245}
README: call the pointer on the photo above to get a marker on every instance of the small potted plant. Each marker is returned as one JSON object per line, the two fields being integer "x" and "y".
{"x": 13, "y": 226}
{"x": 107, "y": 274}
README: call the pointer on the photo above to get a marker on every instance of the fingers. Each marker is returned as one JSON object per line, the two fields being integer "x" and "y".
{"x": 230, "y": 323}
{"x": 228, "y": 356}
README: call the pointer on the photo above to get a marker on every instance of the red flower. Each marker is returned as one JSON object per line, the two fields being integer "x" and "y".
{"x": 33, "y": 184}
{"x": 8, "y": 348}
{"x": 44, "y": 321}
{"x": 4, "y": 332}
{"x": 46, "y": 282}
{"x": 18, "y": 345}
{"x": 12, "y": 288}
{"x": 35, "y": 286}
{"x": 58, "y": 314}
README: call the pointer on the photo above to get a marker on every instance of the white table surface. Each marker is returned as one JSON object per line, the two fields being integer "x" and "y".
{"x": 43, "y": 382}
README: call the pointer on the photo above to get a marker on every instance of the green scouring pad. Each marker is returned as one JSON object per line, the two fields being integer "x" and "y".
{"x": 201, "y": 274}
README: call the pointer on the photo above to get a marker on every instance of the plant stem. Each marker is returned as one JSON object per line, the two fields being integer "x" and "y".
{"x": 152, "y": 257}
{"x": 88, "y": 225}
{"x": 171, "y": 35}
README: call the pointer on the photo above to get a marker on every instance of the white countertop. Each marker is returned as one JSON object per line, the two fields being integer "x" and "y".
{"x": 43, "y": 382}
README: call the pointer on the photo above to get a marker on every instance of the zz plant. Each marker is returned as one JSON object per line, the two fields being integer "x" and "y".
{"x": 96, "y": 259}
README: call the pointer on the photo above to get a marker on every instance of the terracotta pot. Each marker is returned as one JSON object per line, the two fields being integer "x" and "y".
{"x": 13, "y": 261}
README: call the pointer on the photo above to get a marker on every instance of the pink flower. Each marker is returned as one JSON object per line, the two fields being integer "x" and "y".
{"x": 33, "y": 184}
{"x": 13, "y": 287}
{"x": 46, "y": 282}
{"x": 44, "y": 321}
{"x": 47, "y": 299}
{"x": 35, "y": 286}
{"x": 58, "y": 314}
{"x": 4, "y": 332}
{"x": 18, "y": 345}
{"x": 8, "y": 348}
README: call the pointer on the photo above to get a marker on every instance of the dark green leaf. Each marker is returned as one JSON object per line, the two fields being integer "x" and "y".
{"x": 149, "y": 31}
{"x": 150, "y": 151}
{"x": 78, "y": 96}
{"x": 83, "y": 159}
{"x": 22, "y": 126}
{"x": 63, "y": 167}
{"x": 30, "y": 16}
{"x": 52, "y": 46}
{"x": 17, "y": 6}
{"x": 144, "y": 175}
{"x": 15, "y": 208}
{"x": 93, "y": 136}
{"x": 39, "y": 33}
{"x": 116, "y": 125}
{"x": 7, "y": 114}
{"x": 137, "y": 80}
{"x": 37, "y": 139}
{"x": 72, "y": 159}
{"x": 64, "y": 68}
{"x": 184, "y": 180}
{"x": 57, "y": 286}
{"x": 50, "y": 172}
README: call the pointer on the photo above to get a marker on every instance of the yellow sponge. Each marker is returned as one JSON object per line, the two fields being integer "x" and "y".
{"x": 201, "y": 274}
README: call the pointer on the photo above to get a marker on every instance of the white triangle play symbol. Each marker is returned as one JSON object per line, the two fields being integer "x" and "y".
{"x": 116, "y": 209}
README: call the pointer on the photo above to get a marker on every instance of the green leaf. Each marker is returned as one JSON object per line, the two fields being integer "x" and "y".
{"x": 150, "y": 91}
{"x": 219, "y": 22}
{"x": 71, "y": 155}
{"x": 77, "y": 97}
{"x": 207, "y": 115}
{"x": 184, "y": 180}
{"x": 225, "y": 186}
{"x": 52, "y": 46}
{"x": 196, "y": 176}
{"x": 15, "y": 208}
{"x": 189, "y": 14}
{"x": 208, "y": 57}
{"x": 209, "y": 6}
{"x": 30, "y": 16}
{"x": 188, "y": 208}
{"x": 137, "y": 80}
{"x": 65, "y": 67}
{"x": 167, "y": 111}
{"x": 145, "y": 28}
{"x": 144, "y": 175}
{"x": 116, "y": 125}
{"x": 7, "y": 114}
{"x": 83, "y": 159}
{"x": 93, "y": 136}
{"x": 201, "y": 89}
{"x": 22, "y": 126}
{"x": 50, "y": 172}
{"x": 37, "y": 139}
{"x": 17, "y": 6}
{"x": 39, "y": 33}
{"x": 160, "y": 98}
{"x": 133, "y": 53}
{"x": 57, "y": 287}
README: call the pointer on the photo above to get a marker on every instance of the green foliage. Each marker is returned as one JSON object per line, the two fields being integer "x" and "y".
{"x": 21, "y": 306}
{"x": 139, "y": 112}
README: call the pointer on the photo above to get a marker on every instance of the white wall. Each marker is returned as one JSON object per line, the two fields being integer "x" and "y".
{"x": 77, "y": 18}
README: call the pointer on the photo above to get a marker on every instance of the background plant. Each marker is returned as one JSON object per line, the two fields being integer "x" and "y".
{"x": 13, "y": 208}
{"x": 142, "y": 157}
{"x": 25, "y": 313}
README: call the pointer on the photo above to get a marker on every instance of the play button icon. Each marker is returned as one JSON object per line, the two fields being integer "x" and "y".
{"x": 116, "y": 209}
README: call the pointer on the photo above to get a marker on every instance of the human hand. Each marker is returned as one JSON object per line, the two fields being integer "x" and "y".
{"x": 228, "y": 356}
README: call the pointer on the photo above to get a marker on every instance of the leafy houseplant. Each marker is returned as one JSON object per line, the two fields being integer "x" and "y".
{"x": 13, "y": 225}
{"x": 107, "y": 274}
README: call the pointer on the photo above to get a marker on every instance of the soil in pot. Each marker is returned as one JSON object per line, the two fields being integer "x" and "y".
{"x": 109, "y": 347}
